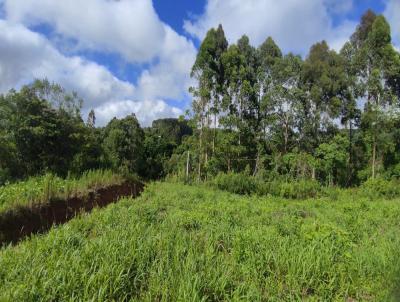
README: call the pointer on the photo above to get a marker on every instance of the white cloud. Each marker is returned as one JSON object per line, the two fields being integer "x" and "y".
{"x": 170, "y": 77}
{"x": 127, "y": 27}
{"x": 295, "y": 25}
{"x": 131, "y": 27}
{"x": 146, "y": 111}
{"x": 25, "y": 55}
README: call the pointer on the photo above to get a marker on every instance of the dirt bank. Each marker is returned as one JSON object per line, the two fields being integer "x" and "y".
{"x": 18, "y": 223}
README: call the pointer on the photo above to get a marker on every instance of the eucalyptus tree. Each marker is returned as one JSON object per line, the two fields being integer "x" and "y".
{"x": 283, "y": 97}
{"x": 377, "y": 65}
{"x": 350, "y": 114}
{"x": 268, "y": 55}
{"x": 234, "y": 62}
{"x": 324, "y": 87}
{"x": 209, "y": 73}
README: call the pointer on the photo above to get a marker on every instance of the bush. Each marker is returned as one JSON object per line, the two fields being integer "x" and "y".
{"x": 4, "y": 176}
{"x": 244, "y": 184}
{"x": 300, "y": 189}
{"x": 332, "y": 193}
{"x": 379, "y": 187}
{"x": 235, "y": 183}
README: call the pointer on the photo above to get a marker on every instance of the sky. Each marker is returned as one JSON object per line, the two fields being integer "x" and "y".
{"x": 135, "y": 56}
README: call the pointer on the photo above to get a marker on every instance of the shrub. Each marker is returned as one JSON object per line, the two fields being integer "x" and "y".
{"x": 300, "y": 189}
{"x": 235, "y": 183}
{"x": 333, "y": 193}
{"x": 379, "y": 187}
{"x": 242, "y": 183}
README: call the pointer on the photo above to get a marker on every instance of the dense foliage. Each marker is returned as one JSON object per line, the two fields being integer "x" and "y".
{"x": 42, "y": 131}
{"x": 331, "y": 117}
{"x": 182, "y": 243}
{"x": 243, "y": 184}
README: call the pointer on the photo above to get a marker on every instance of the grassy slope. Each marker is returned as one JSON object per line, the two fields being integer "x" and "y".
{"x": 180, "y": 243}
{"x": 43, "y": 188}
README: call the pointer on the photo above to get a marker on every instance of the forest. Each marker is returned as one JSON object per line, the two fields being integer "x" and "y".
{"x": 332, "y": 117}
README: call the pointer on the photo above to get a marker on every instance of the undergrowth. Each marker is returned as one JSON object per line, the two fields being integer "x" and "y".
{"x": 241, "y": 183}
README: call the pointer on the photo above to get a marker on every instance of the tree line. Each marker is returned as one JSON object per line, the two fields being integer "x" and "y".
{"x": 42, "y": 130}
{"x": 333, "y": 116}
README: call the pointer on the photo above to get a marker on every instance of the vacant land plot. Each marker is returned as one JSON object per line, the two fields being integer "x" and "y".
{"x": 182, "y": 243}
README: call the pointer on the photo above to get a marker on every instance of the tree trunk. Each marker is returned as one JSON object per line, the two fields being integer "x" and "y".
{"x": 257, "y": 163}
{"x": 373, "y": 157}
{"x": 350, "y": 168}
{"x": 286, "y": 134}
{"x": 214, "y": 134}
{"x": 187, "y": 166}
{"x": 200, "y": 147}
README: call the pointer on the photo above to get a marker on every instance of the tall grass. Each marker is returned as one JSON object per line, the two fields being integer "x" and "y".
{"x": 43, "y": 189}
{"x": 241, "y": 183}
{"x": 183, "y": 243}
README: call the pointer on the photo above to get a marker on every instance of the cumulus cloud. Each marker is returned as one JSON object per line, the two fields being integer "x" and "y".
{"x": 130, "y": 28}
{"x": 25, "y": 55}
{"x": 170, "y": 77}
{"x": 127, "y": 27}
{"x": 295, "y": 25}
{"x": 146, "y": 111}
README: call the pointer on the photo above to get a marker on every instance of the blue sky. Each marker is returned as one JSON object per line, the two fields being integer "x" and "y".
{"x": 135, "y": 55}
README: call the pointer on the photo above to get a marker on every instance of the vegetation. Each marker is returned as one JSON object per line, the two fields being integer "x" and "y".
{"x": 240, "y": 183}
{"x": 37, "y": 190}
{"x": 184, "y": 243}
{"x": 307, "y": 151}
{"x": 331, "y": 117}
{"x": 42, "y": 131}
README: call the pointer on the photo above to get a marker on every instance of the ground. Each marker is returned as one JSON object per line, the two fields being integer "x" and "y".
{"x": 193, "y": 243}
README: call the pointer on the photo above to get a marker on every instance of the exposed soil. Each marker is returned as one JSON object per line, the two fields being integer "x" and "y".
{"x": 18, "y": 223}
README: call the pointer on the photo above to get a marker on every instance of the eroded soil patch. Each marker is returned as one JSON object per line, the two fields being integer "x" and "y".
{"x": 20, "y": 222}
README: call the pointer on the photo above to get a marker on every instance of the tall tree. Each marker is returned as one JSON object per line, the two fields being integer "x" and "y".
{"x": 350, "y": 113}
{"x": 46, "y": 135}
{"x": 324, "y": 84}
{"x": 268, "y": 56}
{"x": 376, "y": 62}
{"x": 283, "y": 99}
{"x": 208, "y": 71}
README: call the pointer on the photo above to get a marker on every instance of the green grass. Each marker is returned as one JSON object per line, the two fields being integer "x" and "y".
{"x": 42, "y": 189}
{"x": 182, "y": 243}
